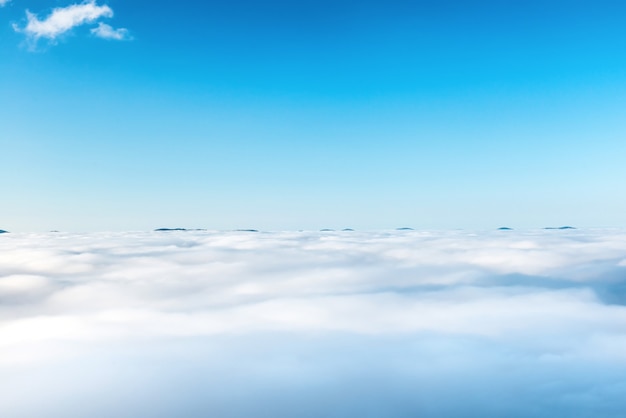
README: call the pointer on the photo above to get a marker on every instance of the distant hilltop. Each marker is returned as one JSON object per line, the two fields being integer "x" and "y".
{"x": 199, "y": 229}
{"x": 506, "y": 228}
{"x": 2, "y": 231}
{"x": 177, "y": 229}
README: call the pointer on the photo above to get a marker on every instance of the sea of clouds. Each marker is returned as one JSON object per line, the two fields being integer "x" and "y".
{"x": 313, "y": 324}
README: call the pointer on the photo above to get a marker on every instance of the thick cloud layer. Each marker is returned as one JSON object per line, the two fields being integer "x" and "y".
{"x": 307, "y": 324}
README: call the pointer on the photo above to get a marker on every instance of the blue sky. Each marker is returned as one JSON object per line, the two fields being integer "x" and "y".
{"x": 289, "y": 115}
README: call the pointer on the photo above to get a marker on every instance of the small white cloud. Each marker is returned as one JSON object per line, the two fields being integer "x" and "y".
{"x": 3, "y": 2}
{"x": 63, "y": 19}
{"x": 105, "y": 31}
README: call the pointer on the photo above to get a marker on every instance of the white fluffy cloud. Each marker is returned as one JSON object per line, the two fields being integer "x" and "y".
{"x": 63, "y": 19}
{"x": 3, "y": 2}
{"x": 498, "y": 320}
{"x": 107, "y": 32}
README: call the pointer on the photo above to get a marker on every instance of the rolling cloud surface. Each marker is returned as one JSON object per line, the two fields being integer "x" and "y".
{"x": 309, "y": 324}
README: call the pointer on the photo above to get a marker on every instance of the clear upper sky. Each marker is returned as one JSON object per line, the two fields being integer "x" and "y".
{"x": 312, "y": 114}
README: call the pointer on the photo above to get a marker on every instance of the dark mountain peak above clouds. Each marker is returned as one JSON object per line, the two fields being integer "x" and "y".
{"x": 404, "y": 228}
{"x": 2, "y": 231}
{"x": 246, "y": 230}
{"x": 505, "y": 228}
{"x": 560, "y": 227}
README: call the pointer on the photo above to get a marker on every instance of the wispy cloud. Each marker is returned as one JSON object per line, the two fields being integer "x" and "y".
{"x": 3, "y": 2}
{"x": 63, "y": 19}
{"x": 108, "y": 32}
{"x": 304, "y": 316}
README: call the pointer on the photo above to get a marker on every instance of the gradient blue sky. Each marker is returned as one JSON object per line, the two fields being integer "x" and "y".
{"x": 311, "y": 114}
